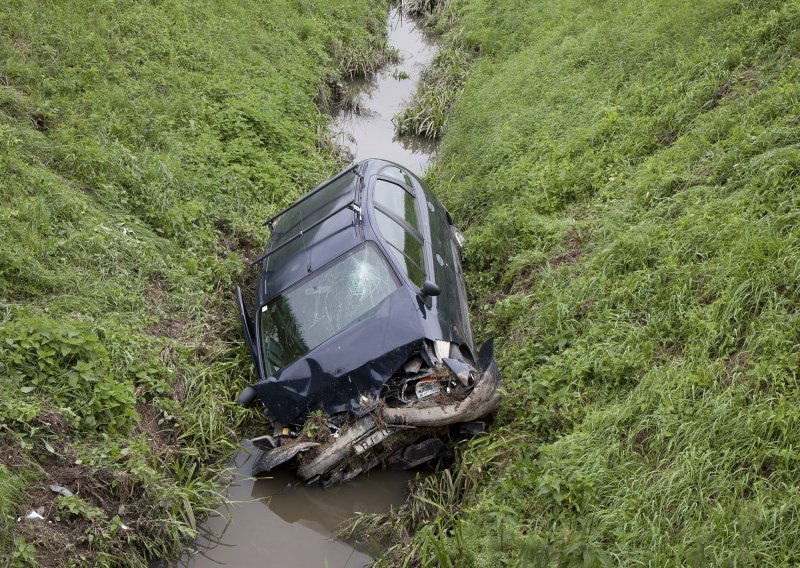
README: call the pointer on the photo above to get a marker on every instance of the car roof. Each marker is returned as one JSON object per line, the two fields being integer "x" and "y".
{"x": 319, "y": 227}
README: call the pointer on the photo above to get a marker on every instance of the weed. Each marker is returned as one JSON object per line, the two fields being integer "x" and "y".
{"x": 439, "y": 87}
{"x": 23, "y": 554}
{"x": 74, "y": 506}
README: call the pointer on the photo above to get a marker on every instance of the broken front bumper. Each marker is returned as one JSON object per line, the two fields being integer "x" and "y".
{"x": 387, "y": 435}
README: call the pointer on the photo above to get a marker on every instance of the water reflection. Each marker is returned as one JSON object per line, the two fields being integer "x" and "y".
{"x": 279, "y": 521}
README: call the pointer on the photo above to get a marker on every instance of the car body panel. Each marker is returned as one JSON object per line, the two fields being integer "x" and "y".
{"x": 353, "y": 364}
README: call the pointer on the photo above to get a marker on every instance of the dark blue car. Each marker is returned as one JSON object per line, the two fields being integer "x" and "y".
{"x": 361, "y": 326}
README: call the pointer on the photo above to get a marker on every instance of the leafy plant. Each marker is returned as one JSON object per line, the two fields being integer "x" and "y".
{"x": 74, "y": 506}
{"x": 23, "y": 554}
{"x": 67, "y": 366}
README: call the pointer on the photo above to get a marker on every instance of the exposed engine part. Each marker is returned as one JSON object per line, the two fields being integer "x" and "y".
{"x": 427, "y": 387}
{"x": 481, "y": 401}
{"x": 461, "y": 370}
{"x": 413, "y": 365}
{"x": 407, "y": 429}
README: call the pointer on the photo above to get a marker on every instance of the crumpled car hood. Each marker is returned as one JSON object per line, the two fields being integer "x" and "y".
{"x": 347, "y": 372}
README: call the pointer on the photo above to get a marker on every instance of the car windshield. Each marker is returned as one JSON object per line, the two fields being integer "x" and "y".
{"x": 338, "y": 295}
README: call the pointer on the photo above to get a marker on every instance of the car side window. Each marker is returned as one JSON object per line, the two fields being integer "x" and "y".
{"x": 391, "y": 198}
{"x": 398, "y": 174}
{"x": 404, "y": 244}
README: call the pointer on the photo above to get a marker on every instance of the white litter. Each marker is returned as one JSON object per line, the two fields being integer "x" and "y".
{"x": 56, "y": 488}
{"x": 33, "y": 516}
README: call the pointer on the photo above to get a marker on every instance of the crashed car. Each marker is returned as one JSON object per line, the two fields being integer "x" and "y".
{"x": 359, "y": 330}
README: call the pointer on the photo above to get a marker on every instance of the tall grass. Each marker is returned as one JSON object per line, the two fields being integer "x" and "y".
{"x": 141, "y": 146}
{"x": 439, "y": 87}
{"x": 442, "y": 81}
{"x": 628, "y": 174}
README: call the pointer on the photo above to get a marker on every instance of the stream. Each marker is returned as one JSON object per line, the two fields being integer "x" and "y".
{"x": 279, "y": 521}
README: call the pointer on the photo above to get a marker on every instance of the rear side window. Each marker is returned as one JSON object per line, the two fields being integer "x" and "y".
{"x": 392, "y": 198}
{"x": 398, "y": 223}
{"x": 405, "y": 246}
{"x": 398, "y": 174}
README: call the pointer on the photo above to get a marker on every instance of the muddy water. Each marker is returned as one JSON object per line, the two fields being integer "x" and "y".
{"x": 369, "y": 133}
{"x": 278, "y": 521}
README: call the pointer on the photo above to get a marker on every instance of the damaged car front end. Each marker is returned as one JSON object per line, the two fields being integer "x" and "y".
{"x": 359, "y": 332}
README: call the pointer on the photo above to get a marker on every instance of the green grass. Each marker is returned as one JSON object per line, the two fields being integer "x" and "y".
{"x": 443, "y": 80}
{"x": 141, "y": 145}
{"x": 437, "y": 91}
{"x": 628, "y": 174}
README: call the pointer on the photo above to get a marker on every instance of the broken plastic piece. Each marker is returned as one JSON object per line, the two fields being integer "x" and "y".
{"x": 441, "y": 348}
{"x": 472, "y": 428}
{"x": 459, "y": 236}
{"x": 372, "y": 440}
{"x": 264, "y": 442}
{"x": 486, "y": 354}
{"x": 270, "y": 459}
{"x": 417, "y": 454}
{"x": 460, "y": 369}
{"x": 336, "y": 451}
{"x": 56, "y": 488}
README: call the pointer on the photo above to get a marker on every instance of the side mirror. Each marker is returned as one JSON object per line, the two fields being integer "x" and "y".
{"x": 430, "y": 289}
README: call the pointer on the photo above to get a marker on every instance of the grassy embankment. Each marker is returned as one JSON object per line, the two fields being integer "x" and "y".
{"x": 628, "y": 174}
{"x": 141, "y": 145}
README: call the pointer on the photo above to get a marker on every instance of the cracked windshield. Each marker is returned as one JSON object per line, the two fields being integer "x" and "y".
{"x": 303, "y": 317}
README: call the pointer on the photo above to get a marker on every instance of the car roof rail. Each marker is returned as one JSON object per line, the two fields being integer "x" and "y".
{"x": 303, "y": 230}
{"x": 269, "y": 222}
